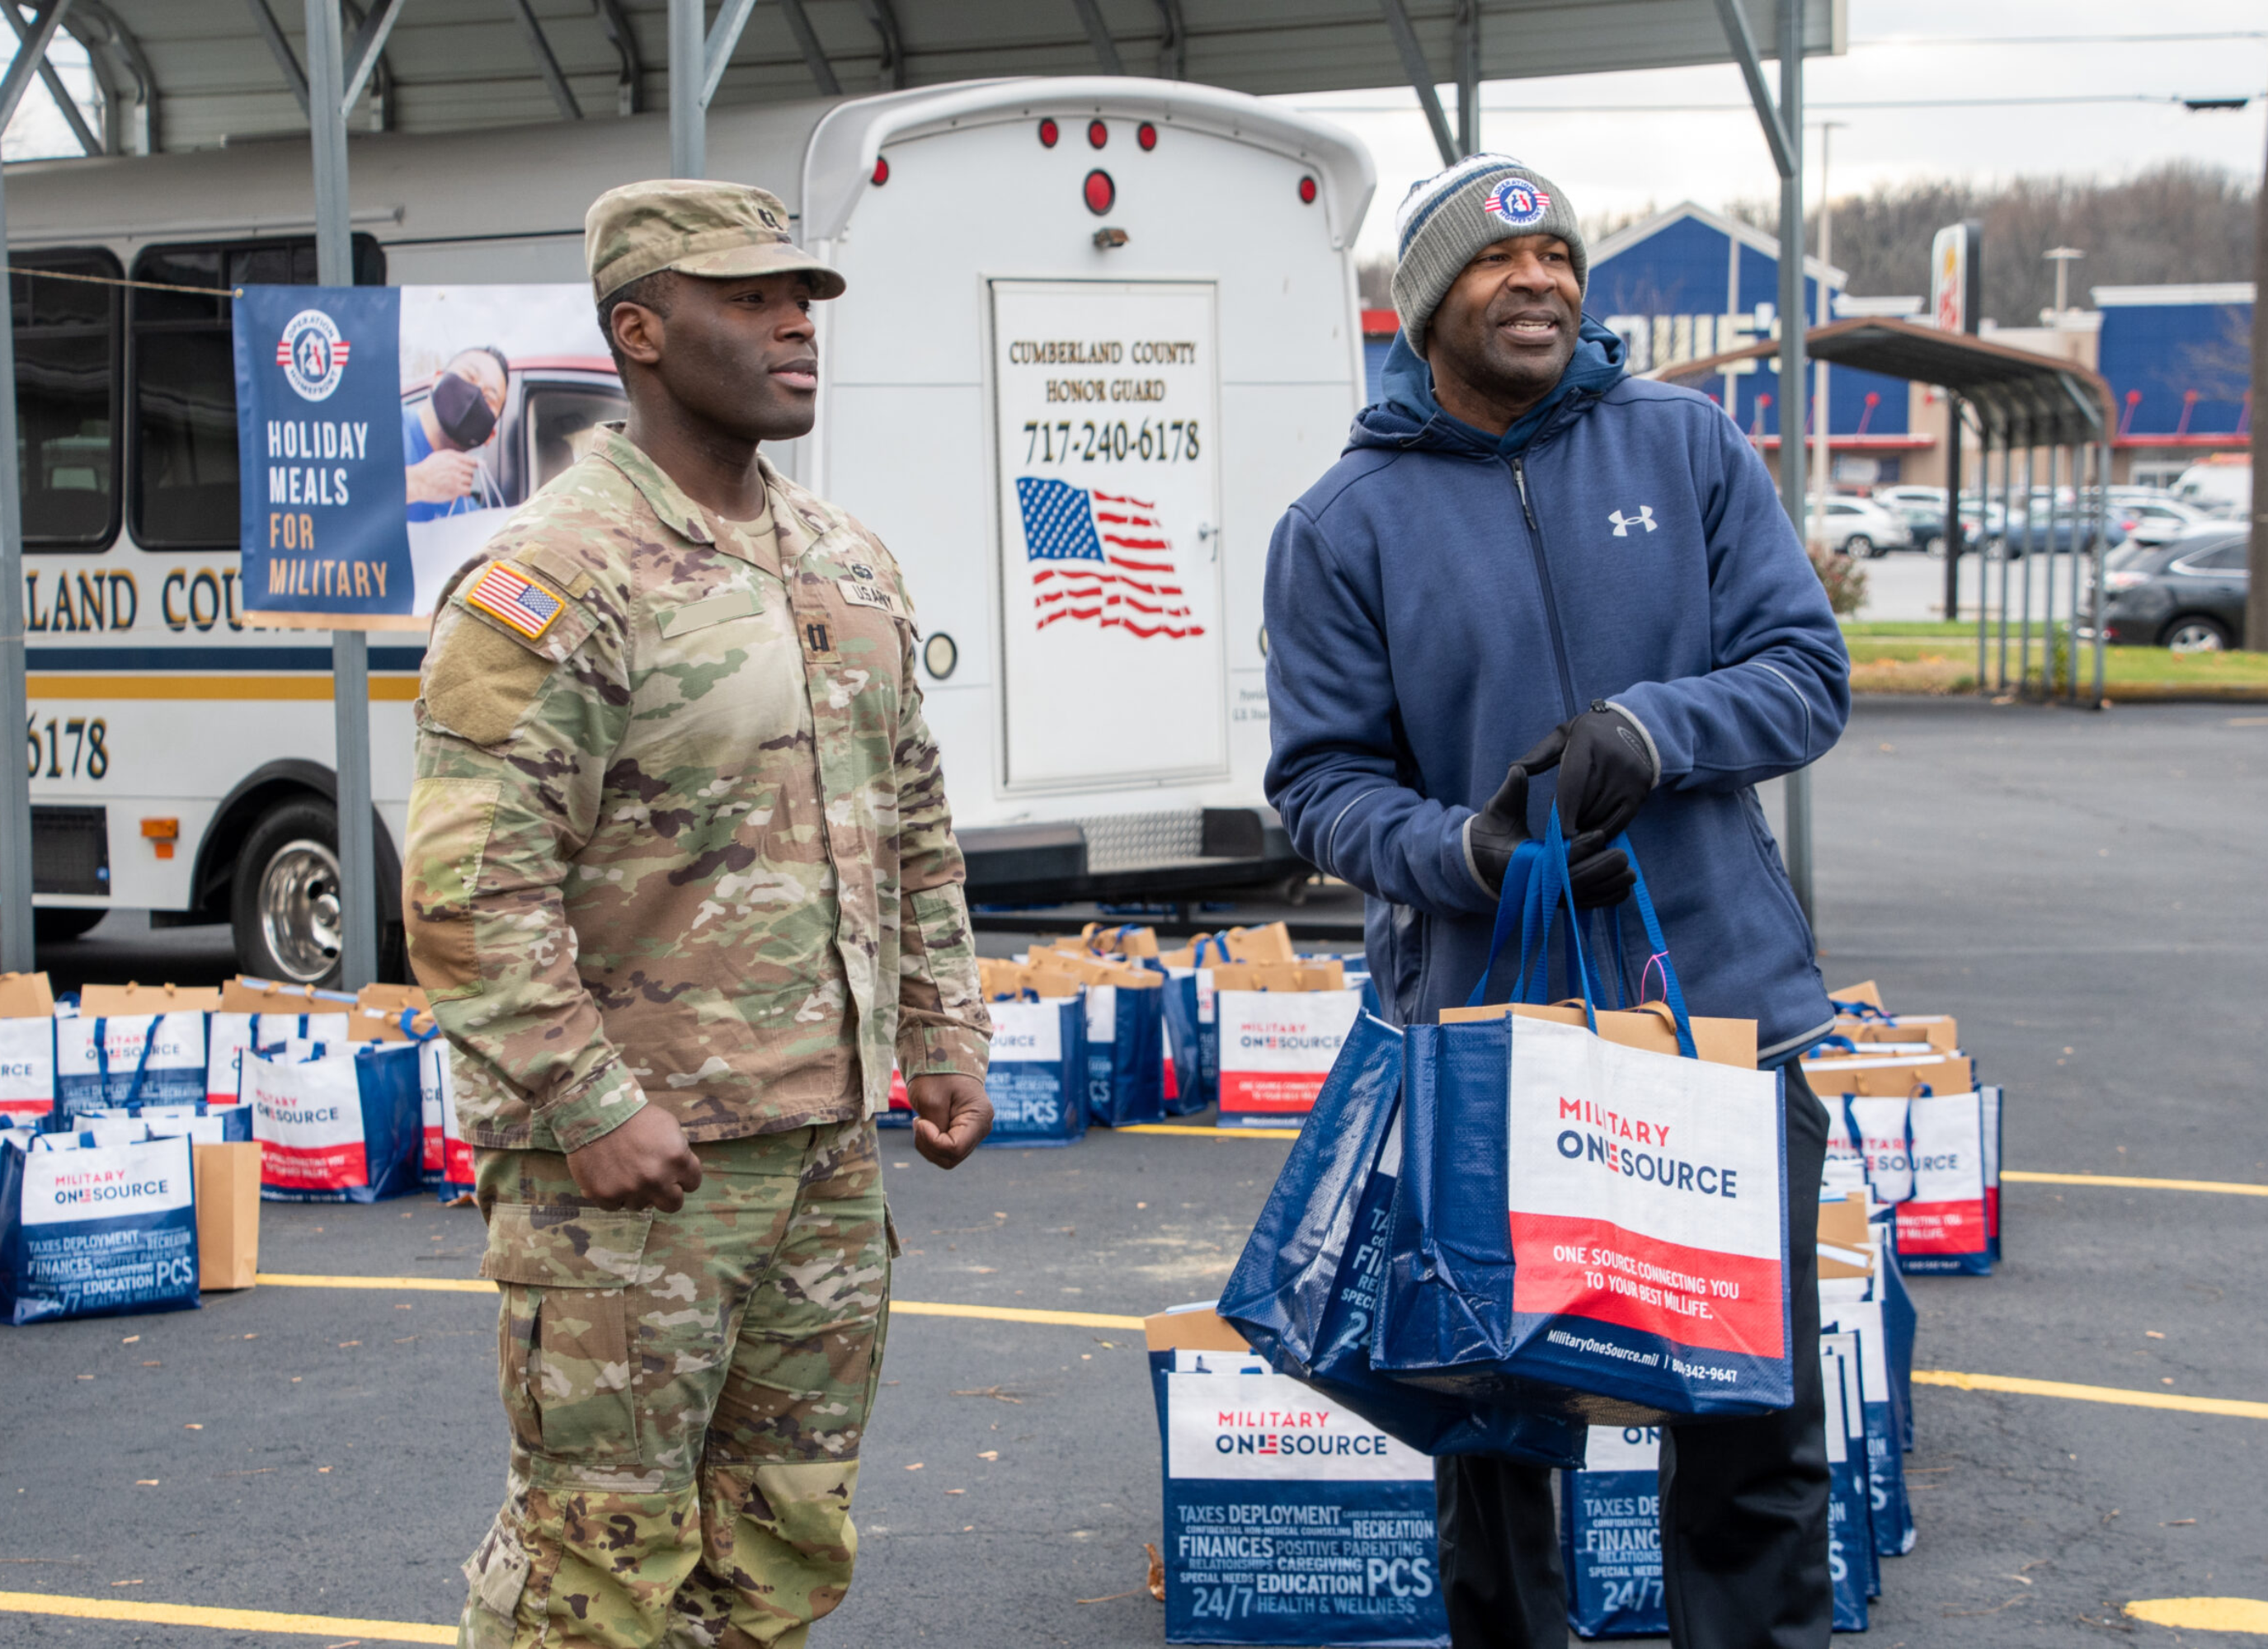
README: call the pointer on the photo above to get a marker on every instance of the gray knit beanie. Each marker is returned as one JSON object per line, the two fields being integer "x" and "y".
{"x": 1446, "y": 220}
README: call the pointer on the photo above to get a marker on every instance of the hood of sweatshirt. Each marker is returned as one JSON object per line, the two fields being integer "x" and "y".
{"x": 1408, "y": 417}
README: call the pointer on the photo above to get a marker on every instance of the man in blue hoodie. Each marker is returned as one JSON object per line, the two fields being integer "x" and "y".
{"x": 1528, "y": 567}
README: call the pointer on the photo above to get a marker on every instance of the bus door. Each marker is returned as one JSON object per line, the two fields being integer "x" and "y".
{"x": 1105, "y": 402}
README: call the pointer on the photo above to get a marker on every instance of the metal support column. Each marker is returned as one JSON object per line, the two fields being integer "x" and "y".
{"x": 1951, "y": 542}
{"x": 2031, "y": 555}
{"x": 689, "y": 145}
{"x": 1467, "y": 26}
{"x": 2066, "y": 532}
{"x": 1984, "y": 422}
{"x": 2008, "y": 544}
{"x": 1421, "y": 76}
{"x": 326, "y": 126}
{"x": 1792, "y": 311}
{"x": 1783, "y": 130}
{"x": 2101, "y": 543}
{"x": 19, "y": 944}
{"x": 17, "y": 951}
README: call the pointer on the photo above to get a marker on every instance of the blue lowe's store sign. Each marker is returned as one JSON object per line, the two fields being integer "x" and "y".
{"x": 1688, "y": 283}
{"x": 319, "y": 428}
{"x": 2179, "y": 361}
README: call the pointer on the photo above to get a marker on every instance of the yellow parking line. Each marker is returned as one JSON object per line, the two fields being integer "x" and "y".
{"x": 1015, "y": 1314}
{"x": 2203, "y": 1613}
{"x": 1209, "y": 1133}
{"x": 2236, "y": 1407}
{"x": 905, "y": 1307}
{"x": 331, "y": 1626}
{"x": 2231, "y": 1188}
{"x": 426, "y": 1285}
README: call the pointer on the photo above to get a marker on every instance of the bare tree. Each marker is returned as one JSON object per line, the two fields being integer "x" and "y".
{"x": 2172, "y": 222}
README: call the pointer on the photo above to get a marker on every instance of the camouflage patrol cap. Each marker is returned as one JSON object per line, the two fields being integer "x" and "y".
{"x": 696, "y": 227}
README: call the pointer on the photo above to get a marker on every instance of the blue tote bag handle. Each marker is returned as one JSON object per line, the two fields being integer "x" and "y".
{"x": 102, "y": 1059}
{"x": 141, "y": 1068}
{"x": 1859, "y": 1144}
{"x": 1535, "y": 883}
{"x": 1672, "y": 993}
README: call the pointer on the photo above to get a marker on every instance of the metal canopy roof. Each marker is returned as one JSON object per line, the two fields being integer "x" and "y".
{"x": 192, "y": 74}
{"x": 2033, "y": 399}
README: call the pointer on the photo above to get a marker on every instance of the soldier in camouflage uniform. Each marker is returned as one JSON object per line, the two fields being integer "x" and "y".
{"x": 681, "y": 882}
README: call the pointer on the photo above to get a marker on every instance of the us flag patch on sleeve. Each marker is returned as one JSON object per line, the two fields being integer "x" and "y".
{"x": 518, "y": 603}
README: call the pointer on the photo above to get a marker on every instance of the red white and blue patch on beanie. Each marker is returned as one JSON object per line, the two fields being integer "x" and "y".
{"x": 1517, "y": 202}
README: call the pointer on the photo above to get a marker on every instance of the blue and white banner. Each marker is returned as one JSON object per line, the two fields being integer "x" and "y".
{"x": 323, "y": 527}
{"x": 386, "y": 433}
{"x": 89, "y": 1230}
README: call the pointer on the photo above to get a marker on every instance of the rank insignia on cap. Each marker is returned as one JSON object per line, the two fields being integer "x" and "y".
{"x": 518, "y": 603}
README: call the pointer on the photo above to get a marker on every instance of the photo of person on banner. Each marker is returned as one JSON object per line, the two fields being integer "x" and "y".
{"x": 442, "y": 435}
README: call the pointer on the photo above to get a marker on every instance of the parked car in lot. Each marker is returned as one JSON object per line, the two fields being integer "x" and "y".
{"x": 2059, "y": 522}
{"x": 2154, "y": 520}
{"x": 1858, "y": 527}
{"x": 1902, "y": 496}
{"x": 2187, "y": 595}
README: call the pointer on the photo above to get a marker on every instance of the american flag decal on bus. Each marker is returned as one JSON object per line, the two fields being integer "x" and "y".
{"x": 1100, "y": 559}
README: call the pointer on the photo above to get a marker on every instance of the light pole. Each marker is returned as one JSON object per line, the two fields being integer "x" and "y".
{"x": 1823, "y": 463}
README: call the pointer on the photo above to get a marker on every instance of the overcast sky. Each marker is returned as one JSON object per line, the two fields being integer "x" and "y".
{"x": 1642, "y": 153}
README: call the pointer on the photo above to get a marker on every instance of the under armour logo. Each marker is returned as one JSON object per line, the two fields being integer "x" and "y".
{"x": 1623, "y": 523}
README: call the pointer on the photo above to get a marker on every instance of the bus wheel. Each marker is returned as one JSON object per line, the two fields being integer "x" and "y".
{"x": 284, "y": 904}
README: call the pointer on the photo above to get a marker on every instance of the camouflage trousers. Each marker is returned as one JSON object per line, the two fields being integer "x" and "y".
{"x": 687, "y": 1393}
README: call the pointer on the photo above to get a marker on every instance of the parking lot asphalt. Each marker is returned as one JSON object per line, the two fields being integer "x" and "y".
{"x": 2083, "y": 890}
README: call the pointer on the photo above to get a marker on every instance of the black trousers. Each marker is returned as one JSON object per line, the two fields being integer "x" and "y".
{"x": 1743, "y": 1502}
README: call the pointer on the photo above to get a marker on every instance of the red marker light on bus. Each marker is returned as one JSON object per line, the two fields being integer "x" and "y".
{"x": 1101, "y": 194}
{"x": 1097, "y": 134}
{"x": 1306, "y": 191}
{"x": 1048, "y": 132}
{"x": 1146, "y": 134}
{"x": 881, "y": 172}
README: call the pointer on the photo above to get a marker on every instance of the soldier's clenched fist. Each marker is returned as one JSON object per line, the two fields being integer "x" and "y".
{"x": 951, "y": 1117}
{"x": 646, "y": 1163}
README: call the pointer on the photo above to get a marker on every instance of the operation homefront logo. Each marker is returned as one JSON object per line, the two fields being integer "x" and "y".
{"x": 313, "y": 353}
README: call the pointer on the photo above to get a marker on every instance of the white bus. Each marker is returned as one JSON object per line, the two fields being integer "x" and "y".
{"x": 1099, "y": 333}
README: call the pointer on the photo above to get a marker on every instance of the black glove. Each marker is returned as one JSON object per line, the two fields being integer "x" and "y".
{"x": 1607, "y": 770}
{"x": 1494, "y": 833}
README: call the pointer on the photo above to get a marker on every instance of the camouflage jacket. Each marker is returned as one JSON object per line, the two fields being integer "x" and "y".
{"x": 678, "y": 830}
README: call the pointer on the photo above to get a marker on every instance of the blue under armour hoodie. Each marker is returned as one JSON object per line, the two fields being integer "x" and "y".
{"x": 1443, "y": 597}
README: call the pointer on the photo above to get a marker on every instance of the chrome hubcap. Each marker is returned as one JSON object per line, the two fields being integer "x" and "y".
{"x": 299, "y": 910}
{"x": 2193, "y": 638}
